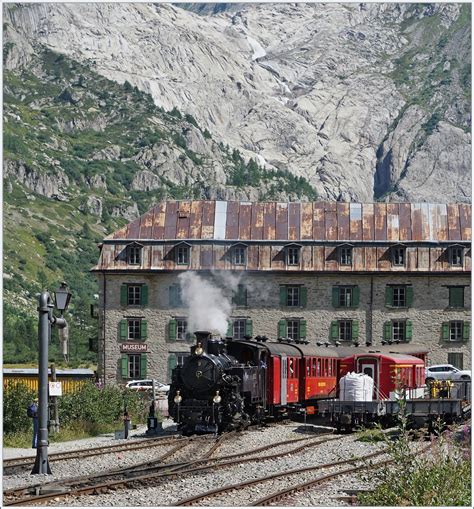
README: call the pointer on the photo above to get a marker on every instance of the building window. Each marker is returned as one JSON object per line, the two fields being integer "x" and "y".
{"x": 181, "y": 328}
{"x": 175, "y": 296}
{"x": 345, "y": 330}
{"x": 240, "y": 296}
{"x": 293, "y": 329}
{"x": 455, "y": 331}
{"x": 345, "y": 255}
{"x": 398, "y": 256}
{"x": 238, "y": 329}
{"x": 293, "y": 256}
{"x": 456, "y": 359}
{"x": 456, "y": 256}
{"x": 134, "y": 295}
{"x": 238, "y": 255}
{"x": 345, "y": 296}
{"x": 292, "y": 295}
{"x": 456, "y": 296}
{"x": 398, "y": 331}
{"x": 180, "y": 358}
{"x": 134, "y": 330}
{"x": 182, "y": 256}
{"x": 134, "y": 366}
{"x": 134, "y": 255}
{"x": 399, "y": 296}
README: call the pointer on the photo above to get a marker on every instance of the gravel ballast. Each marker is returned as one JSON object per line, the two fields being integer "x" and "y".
{"x": 169, "y": 492}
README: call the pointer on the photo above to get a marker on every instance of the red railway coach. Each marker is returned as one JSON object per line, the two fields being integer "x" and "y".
{"x": 390, "y": 371}
{"x": 283, "y": 373}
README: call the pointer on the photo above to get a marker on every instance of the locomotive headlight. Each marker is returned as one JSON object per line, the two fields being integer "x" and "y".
{"x": 217, "y": 398}
{"x": 199, "y": 350}
{"x": 178, "y": 398}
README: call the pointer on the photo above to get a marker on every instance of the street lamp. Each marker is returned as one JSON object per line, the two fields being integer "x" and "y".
{"x": 46, "y": 321}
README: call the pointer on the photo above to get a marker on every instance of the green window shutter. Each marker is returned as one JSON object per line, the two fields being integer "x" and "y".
{"x": 303, "y": 296}
{"x": 248, "y": 328}
{"x": 388, "y": 296}
{"x": 172, "y": 362}
{"x": 335, "y": 330}
{"x": 123, "y": 295}
{"x": 355, "y": 296}
{"x": 283, "y": 297}
{"x": 387, "y": 330}
{"x": 456, "y": 297}
{"x": 466, "y": 331}
{"x": 445, "y": 329}
{"x": 355, "y": 329}
{"x": 172, "y": 330}
{"x": 124, "y": 366}
{"x": 173, "y": 296}
{"x": 282, "y": 329}
{"x": 408, "y": 330}
{"x": 302, "y": 329}
{"x": 409, "y": 295}
{"x": 335, "y": 296}
{"x": 230, "y": 329}
{"x": 123, "y": 330}
{"x": 143, "y": 365}
{"x": 144, "y": 295}
{"x": 143, "y": 329}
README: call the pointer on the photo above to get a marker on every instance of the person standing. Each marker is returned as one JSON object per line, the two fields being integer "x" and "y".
{"x": 32, "y": 411}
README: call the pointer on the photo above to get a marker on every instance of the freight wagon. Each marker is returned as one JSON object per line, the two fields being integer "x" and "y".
{"x": 71, "y": 379}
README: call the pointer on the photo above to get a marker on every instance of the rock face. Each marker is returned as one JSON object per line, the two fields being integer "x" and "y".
{"x": 364, "y": 100}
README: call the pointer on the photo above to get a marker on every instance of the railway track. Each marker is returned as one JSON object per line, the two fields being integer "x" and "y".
{"x": 15, "y": 463}
{"x": 148, "y": 473}
{"x": 281, "y": 495}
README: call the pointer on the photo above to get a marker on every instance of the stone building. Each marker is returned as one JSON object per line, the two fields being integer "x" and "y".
{"x": 328, "y": 272}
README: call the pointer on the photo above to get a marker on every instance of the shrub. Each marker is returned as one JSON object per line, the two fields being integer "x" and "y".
{"x": 16, "y": 398}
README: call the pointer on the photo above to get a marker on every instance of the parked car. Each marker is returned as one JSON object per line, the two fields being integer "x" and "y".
{"x": 446, "y": 372}
{"x": 146, "y": 385}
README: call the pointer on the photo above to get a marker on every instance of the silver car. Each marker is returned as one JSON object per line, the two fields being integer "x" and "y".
{"x": 446, "y": 372}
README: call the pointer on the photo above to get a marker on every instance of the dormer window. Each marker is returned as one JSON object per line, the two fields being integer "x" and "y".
{"x": 239, "y": 254}
{"x": 182, "y": 255}
{"x": 134, "y": 254}
{"x": 345, "y": 255}
{"x": 293, "y": 254}
{"x": 456, "y": 256}
{"x": 398, "y": 256}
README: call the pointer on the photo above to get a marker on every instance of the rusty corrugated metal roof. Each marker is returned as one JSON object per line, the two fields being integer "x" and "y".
{"x": 317, "y": 221}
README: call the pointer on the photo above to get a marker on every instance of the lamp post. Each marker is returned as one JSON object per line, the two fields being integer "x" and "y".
{"x": 46, "y": 321}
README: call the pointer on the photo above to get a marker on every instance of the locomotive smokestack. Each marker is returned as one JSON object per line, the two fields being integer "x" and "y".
{"x": 203, "y": 337}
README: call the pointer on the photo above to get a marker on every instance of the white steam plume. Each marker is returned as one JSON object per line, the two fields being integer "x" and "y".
{"x": 208, "y": 305}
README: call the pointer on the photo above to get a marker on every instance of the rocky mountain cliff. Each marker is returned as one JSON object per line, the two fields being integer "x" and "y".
{"x": 366, "y": 101}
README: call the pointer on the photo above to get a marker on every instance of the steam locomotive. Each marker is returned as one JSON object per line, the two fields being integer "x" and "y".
{"x": 228, "y": 384}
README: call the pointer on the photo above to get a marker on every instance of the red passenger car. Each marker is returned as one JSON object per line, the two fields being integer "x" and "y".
{"x": 391, "y": 372}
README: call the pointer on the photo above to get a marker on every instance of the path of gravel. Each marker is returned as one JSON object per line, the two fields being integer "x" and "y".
{"x": 86, "y": 466}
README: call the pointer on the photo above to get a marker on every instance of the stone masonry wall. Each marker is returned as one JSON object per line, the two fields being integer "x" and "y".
{"x": 428, "y": 312}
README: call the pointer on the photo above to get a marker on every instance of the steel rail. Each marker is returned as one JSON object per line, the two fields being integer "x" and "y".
{"x": 92, "y": 451}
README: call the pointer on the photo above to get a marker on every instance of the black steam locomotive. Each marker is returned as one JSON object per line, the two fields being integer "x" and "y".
{"x": 232, "y": 372}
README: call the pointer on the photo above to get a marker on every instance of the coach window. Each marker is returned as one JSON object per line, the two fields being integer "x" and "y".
{"x": 313, "y": 370}
{"x": 318, "y": 373}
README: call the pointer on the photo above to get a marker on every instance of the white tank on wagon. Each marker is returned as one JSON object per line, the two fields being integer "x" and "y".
{"x": 356, "y": 387}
